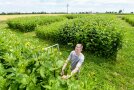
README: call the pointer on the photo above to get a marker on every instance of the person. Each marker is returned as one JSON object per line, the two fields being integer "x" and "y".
{"x": 76, "y": 58}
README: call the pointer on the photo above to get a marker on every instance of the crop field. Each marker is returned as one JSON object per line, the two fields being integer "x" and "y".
{"x": 108, "y": 48}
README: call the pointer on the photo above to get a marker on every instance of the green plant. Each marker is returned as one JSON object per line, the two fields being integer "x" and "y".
{"x": 99, "y": 35}
{"x": 25, "y": 66}
{"x": 129, "y": 19}
{"x": 27, "y": 24}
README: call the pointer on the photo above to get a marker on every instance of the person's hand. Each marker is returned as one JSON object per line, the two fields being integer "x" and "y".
{"x": 62, "y": 73}
{"x": 66, "y": 76}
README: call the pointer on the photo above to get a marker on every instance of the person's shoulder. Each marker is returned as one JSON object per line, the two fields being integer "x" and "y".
{"x": 73, "y": 51}
{"x": 82, "y": 56}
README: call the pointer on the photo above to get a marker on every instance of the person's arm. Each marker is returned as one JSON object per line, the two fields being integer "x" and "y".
{"x": 78, "y": 66}
{"x": 64, "y": 66}
{"x": 75, "y": 70}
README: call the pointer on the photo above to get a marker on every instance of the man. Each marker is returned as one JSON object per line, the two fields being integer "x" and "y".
{"x": 76, "y": 58}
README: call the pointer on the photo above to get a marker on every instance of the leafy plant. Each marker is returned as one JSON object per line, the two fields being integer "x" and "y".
{"x": 99, "y": 35}
{"x": 23, "y": 66}
{"x": 26, "y": 24}
{"x": 129, "y": 19}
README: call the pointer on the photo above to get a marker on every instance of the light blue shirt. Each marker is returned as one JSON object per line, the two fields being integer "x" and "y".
{"x": 75, "y": 59}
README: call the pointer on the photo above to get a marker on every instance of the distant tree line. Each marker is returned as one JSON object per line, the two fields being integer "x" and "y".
{"x": 119, "y": 12}
{"x": 16, "y": 13}
{"x": 90, "y": 12}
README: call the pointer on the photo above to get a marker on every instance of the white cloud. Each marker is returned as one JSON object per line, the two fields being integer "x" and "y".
{"x": 30, "y": 2}
{"x": 105, "y": 1}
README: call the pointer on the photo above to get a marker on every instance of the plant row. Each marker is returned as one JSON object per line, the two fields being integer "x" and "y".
{"x": 100, "y": 35}
{"x": 129, "y": 19}
{"x": 26, "y": 24}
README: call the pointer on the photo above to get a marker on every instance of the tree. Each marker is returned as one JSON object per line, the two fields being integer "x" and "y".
{"x": 120, "y": 11}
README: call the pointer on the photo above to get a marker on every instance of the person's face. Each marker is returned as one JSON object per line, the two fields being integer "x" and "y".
{"x": 78, "y": 48}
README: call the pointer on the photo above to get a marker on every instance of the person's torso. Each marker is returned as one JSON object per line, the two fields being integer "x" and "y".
{"x": 75, "y": 59}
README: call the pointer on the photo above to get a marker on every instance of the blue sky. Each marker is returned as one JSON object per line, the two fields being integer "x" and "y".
{"x": 60, "y": 5}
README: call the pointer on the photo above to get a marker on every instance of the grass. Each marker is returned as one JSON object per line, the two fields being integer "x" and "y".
{"x": 98, "y": 73}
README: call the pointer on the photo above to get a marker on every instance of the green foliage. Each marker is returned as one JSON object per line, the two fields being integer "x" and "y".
{"x": 26, "y": 24}
{"x": 99, "y": 35}
{"x": 129, "y": 19}
{"x": 96, "y": 73}
{"x": 73, "y": 16}
{"x": 24, "y": 66}
{"x": 50, "y": 31}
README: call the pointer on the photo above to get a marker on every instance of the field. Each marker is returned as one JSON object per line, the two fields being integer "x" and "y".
{"x": 108, "y": 49}
{"x": 5, "y": 17}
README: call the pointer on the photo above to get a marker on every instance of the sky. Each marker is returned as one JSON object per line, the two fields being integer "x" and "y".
{"x": 61, "y": 5}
